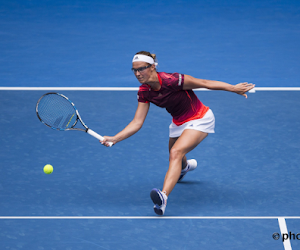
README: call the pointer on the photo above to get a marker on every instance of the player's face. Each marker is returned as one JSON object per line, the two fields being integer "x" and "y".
{"x": 142, "y": 71}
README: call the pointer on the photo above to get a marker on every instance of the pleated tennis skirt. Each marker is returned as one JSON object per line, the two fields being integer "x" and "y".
{"x": 205, "y": 124}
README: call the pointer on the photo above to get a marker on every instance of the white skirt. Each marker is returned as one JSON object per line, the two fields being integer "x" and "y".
{"x": 205, "y": 124}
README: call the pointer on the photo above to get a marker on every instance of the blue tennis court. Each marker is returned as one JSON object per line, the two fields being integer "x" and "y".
{"x": 245, "y": 188}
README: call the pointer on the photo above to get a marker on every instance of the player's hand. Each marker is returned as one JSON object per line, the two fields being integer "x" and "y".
{"x": 243, "y": 87}
{"x": 108, "y": 139}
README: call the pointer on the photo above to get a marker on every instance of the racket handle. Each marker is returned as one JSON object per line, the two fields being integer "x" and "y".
{"x": 99, "y": 137}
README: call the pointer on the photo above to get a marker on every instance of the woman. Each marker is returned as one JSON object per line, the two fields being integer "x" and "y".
{"x": 192, "y": 120}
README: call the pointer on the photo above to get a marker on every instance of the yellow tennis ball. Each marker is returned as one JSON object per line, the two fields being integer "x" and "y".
{"x": 48, "y": 169}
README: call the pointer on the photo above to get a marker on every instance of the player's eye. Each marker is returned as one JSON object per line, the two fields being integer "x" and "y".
{"x": 140, "y": 69}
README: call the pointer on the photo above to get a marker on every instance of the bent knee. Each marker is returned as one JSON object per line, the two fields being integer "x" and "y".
{"x": 176, "y": 154}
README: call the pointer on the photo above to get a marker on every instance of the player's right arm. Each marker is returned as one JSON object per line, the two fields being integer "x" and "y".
{"x": 133, "y": 127}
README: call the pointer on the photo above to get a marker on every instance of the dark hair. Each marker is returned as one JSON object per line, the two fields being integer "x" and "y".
{"x": 146, "y": 53}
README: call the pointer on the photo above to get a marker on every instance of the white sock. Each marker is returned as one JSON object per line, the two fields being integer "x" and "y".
{"x": 165, "y": 195}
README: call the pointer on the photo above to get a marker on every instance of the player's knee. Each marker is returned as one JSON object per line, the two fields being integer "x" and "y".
{"x": 176, "y": 154}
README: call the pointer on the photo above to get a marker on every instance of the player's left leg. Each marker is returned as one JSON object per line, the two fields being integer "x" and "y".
{"x": 187, "y": 165}
{"x": 188, "y": 140}
{"x": 179, "y": 147}
{"x": 171, "y": 143}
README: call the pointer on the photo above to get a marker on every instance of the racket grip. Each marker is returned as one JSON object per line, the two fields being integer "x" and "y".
{"x": 99, "y": 137}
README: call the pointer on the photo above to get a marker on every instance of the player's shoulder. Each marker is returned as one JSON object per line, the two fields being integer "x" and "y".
{"x": 165, "y": 75}
{"x": 171, "y": 78}
{"x": 143, "y": 87}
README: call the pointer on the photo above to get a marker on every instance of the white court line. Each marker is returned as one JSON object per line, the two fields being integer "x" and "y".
{"x": 146, "y": 217}
{"x": 131, "y": 89}
{"x": 283, "y": 230}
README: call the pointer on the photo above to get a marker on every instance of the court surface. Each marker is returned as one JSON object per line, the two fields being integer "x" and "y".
{"x": 245, "y": 188}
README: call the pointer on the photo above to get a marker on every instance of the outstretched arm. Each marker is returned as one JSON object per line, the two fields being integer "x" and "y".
{"x": 133, "y": 127}
{"x": 195, "y": 83}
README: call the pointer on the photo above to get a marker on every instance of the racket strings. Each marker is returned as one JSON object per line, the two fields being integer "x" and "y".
{"x": 57, "y": 112}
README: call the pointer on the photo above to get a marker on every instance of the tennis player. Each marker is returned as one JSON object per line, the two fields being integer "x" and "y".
{"x": 192, "y": 120}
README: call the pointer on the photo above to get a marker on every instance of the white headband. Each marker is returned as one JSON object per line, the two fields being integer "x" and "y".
{"x": 143, "y": 58}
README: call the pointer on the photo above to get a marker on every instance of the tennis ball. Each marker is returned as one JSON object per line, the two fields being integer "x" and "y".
{"x": 48, "y": 169}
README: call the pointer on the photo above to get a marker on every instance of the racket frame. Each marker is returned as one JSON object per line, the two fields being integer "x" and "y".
{"x": 78, "y": 117}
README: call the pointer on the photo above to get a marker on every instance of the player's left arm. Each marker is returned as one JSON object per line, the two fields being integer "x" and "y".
{"x": 195, "y": 83}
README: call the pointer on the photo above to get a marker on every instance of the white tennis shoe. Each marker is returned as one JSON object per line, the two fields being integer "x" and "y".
{"x": 191, "y": 165}
{"x": 160, "y": 201}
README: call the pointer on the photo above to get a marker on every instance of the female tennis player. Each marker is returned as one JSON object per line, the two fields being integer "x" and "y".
{"x": 192, "y": 120}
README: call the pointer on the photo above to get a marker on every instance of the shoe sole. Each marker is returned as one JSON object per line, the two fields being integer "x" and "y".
{"x": 155, "y": 197}
{"x": 157, "y": 210}
{"x": 181, "y": 177}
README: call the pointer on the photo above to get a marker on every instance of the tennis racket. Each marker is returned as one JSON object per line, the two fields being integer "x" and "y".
{"x": 58, "y": 112}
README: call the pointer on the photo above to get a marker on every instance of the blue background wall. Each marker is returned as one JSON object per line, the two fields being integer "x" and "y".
{"x": 91, "y": 43}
